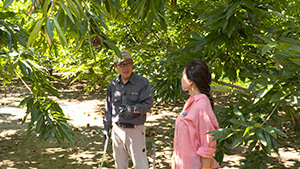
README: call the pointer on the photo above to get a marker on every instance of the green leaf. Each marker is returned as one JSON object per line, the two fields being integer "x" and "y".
{"x": 252, "y": 145}
{"x": 219, "y": 156}
{"x": 47, "y": 133}
{"x": 66, "y": 134}
{"x": 277, "y": 14}
{"x": 274, "y": 144}
{"x": 297, "y": 61}
{"x": 79, "y": 44}
{"x": 29, "y": 108}
{"x": 35, "y": 32}
{"x": 67, "y": 126}
{"x": 225, "y": 23}
{"x": 60, "y": 32}
{"x": 238, "y": 140}
{"x": 34, "y": 113}
{"x": 49, "y": 31}
{"x": 74, "y": 9}
{"x": 271, "y": 131}
{"x": 262, "y": 93}
{"x": 102, "y": 24}
{"x": 34, "y": 65}
{"x": 141, "y": 9}
{"x": 221, "y": 134}
{"x": 214, "y": 18}
{"x": 232, "y": 25}
{"x": 92, "y": 50}
{"x": 57, "y": 135}
{"x": 248, "y": 4}
{"x": 261, "y": 138}
{"x": 9, "y": 36}
{"x": 277, "y": 96}
{"x": 217, "y": 134}
{"x": 29, "y": 128}
{"x": 51, "y": 90}
{"x": 80, "y": 9}
{"x": 247, "y": 130}
{"x": 285, "y": 45}
{"x": 237, "y": 122}
{"x": 40, "y": 123}
{"x": 102, "y": 9}
{"x": 267, "y": 48}
{"x": 49, "y": 105}
{"x": 154, "y": 10}
{"x": 49, "y": 119}
{"x": 113, "y": 47}
{"x": 7, "y": 14}
{"x": 67, "y": 11}
{"x": 232, "y": 9}
{"x": 280, "y": 132}
{"x": 162, "y": 21}
{"x": 269, "y": 143}
{"x": 116, "y": 4}
{"x": 57, "y": 108}
{"x": 25, "y": 100}
{"x": 52, "y": 131}
{"x": 25, "y": 118}
{"x": 7, "y": 3}
{"x": 25, "y": 68}
{"x": 46, "y": 6}
{"x": 238, "y": 113}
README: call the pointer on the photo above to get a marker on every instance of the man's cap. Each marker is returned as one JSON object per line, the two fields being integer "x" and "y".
{"x": 125, "y": 56}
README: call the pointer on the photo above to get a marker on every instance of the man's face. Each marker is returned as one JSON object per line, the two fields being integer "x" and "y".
{"x": 125, "y": 69}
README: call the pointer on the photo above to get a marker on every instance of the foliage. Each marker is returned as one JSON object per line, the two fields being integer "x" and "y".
{"x": 242, "y": 44}
{"x": 249, "y": 41}
{"x": 74, "y": 35}
{"x": 47, "y": 118}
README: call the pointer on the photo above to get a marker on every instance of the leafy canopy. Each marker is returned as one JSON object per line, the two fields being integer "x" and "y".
{"x": 252, "y": 42}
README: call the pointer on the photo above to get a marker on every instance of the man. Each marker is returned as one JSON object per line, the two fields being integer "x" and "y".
{"x": 128, "y": 100}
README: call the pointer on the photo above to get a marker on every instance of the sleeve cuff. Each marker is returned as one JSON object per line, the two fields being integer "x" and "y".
{"x": 206, "y": 152}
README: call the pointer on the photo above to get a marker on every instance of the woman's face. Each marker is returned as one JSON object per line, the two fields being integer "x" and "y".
{"x": 185, "y": 82}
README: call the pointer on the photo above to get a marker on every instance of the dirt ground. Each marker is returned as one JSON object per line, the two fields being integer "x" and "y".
{"x": 86, "y": 110}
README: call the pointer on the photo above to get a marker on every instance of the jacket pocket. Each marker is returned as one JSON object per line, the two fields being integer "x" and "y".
{"x": 133, "y": 98}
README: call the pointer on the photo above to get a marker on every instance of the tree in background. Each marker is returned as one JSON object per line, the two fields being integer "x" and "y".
{"x": 251, "y": 42}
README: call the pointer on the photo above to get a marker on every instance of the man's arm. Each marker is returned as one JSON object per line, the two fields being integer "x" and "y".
{"x": 107, "y": 119}
{"x": 146, "y": 99}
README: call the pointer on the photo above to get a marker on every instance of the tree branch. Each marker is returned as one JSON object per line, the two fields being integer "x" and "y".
{"x": 164, "y": 45}
{"x": 133, "y": 37}
{"x": 231, "y": 85}
{"x": 23, "y": 82}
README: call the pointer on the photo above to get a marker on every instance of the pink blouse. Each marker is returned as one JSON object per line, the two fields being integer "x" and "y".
{"x": 191, "y": 142}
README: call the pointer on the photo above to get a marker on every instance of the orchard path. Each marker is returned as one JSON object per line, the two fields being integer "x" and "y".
{"x": 86, "y": 110}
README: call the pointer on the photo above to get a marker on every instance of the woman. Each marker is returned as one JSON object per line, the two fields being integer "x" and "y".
{"x": 193, "y": 148}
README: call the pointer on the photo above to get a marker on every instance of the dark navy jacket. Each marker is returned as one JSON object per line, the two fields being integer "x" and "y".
{"x": 135, "y": 92}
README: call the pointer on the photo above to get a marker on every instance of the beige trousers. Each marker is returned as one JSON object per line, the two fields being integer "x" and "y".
{"x": 129, "y": 141}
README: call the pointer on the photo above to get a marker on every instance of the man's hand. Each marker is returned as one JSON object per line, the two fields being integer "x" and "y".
{"x": 106, "y": 132}
{"x": 127, "y": 110}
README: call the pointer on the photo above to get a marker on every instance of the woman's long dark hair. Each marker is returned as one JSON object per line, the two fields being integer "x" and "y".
{"x": 198, "y": 72}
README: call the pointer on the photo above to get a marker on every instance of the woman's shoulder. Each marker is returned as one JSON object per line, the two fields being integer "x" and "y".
{"x": 202, "y": 104}
{"x": 201, "y": 99}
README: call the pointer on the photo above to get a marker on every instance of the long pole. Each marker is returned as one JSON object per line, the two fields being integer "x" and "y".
{"x": 5, "y": 91}
{"x": 104, "y": 151}
{"x": 153, "y": 145}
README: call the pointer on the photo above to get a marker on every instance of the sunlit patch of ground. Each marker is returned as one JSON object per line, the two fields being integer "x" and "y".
{"x": 288, "y": 155}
